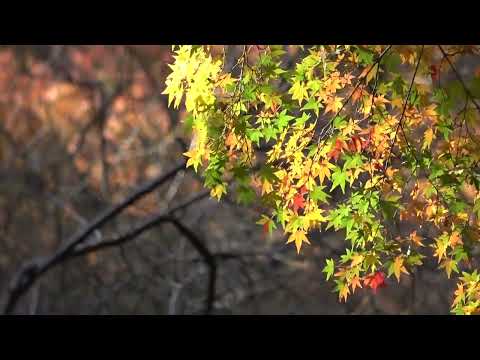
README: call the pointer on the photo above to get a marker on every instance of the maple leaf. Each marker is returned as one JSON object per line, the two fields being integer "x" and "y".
{"x": 380, "y": 100}
{"x": 299, "y": 238}
{"x": 441, "y": 249}
{"x": 355, "y": 144}
{"x": 455, "y": 239}
{"x": 357, "y": 94}
{"x": 430, "y": 112}
{"x": 374, "y": 281}
{"x": 343, "y": 293}
{"x": 283, "y": 119}
{"x": 267, "y": 224}
{"x": 194, "y": 159}
{"x": 459, "y": 295}
{"x": 428, "y": 138}
{"x": 449, "y": 265}
{"x": 355, "y": 283}
{"x": 218, "y": 191}
{"x": 266, "y": 187}
{"x": 265, "y": 228}
{"x": 339, "y": 178}
{"x": 329, "y": 268}
{"x": 333, "y": 104}
{"x": 398, "y": 267}
{"x": 299, "y": 92}
{"x": 350, "y": 128}
{"x": 298, "y": 202}
{"x": 416, "y": 239}
{"x": 322, "y": 170}
{"x": 435, "y": 72}
{"x": 312, "y": 218}
{"x": 357, "y": 259}
{"x": 318, "y": 194}
{"x": 397, "y": 103}
{"x": 337, "y": 149}
{"x": 390, "y": 172}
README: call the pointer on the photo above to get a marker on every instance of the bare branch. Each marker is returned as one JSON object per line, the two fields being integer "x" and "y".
{"x": 32, "y": 271}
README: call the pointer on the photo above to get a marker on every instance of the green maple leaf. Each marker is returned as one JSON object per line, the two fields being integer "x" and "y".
{"x": 339, "y": 178}
{"x": 283, "y": 119}
{"x": 302, "y": 120}
{"x": 267, "y": 172}
{"x": 352, "y": 161}
{"x": 255, "y": 135}
{"x": 312, "y": 104}
{"x": 246, "y": 195}
{"x": 270, "y": 133}
{"x": 329, "y": 268}
{"x": 319, "y": 195}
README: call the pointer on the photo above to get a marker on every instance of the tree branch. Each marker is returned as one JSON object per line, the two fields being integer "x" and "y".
{"x": 209, "y": 259}
{"x": 31, "y": 271}
{"x": 467, "y": 91}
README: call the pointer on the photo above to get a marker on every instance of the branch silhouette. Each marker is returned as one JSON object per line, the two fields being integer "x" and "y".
{"x": 31, "y": 271}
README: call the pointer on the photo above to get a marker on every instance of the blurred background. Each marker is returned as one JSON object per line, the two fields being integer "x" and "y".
{"x": 80, "y": 127}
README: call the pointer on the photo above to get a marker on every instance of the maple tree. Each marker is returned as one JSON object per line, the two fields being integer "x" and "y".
{"x": 361, "y": 139}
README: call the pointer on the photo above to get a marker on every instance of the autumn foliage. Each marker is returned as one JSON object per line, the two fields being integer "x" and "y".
{"x": 381, "y": 143}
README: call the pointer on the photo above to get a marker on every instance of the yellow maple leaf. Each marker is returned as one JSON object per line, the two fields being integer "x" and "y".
{"x": 266, "y": 187}
{"x": 398, "y": 267}
{"x": 314, "y": 217}
{"x": 357, "y": 259}
{"x": 322, "y": 170}
{"x": 440, "y": 250}
{"x": 225, "y": 80}
{"x": 333, "y": 85}
{"x": 459, "y": 294}
{"x": 390, "y": 172}
{"x": 218, "y": 191}
{"x": 367, "y": 104}
{"x": 299, "y": 92}
{"x": 397, "y": 103}
{"x": 333, "y": 104}
{"x": 195, "y": 158}
{"x": 431, "y": 210}
{"x": 351, "y": 127}
{"x": 353, "y": 174}
{"x": 430, "y": 112}
{"x": 428, "y": 138}
{"x": 372, "y": 73}
{"x": 299, "y": 238}
{"x": 447, "y": 264}
{"x": 343, "y": 293}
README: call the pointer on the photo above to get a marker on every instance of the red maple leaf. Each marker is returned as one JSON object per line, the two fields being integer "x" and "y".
{"x": 369, "y": 133}
{"x": 303, "y": 190}
{"x": 435, "y": 72}
{"x": 298, "y": 202}
{"x": 337, "y": 149}
{"x": 355, "y": 144}
{"x": 378, "y": 166}
{"x": 375, "y": 281}
{"x": 265, "y": 228}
